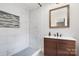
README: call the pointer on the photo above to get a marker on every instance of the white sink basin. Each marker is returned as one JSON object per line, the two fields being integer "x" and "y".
{"x": 64, "y": 38}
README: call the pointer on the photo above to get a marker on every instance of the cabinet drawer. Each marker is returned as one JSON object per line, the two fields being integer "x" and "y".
{"x": 67, "y": 52}
{"x": 62, "y": 53}
{"x": 65, "y": 46}
{"x": 68, "y": 42}
{"x": 50, "y": 43}
{"x": 50, "y": 52}
{"x": 59, "y": 47}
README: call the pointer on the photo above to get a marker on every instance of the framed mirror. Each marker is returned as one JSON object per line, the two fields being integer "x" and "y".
{"x": 59, "y": 17}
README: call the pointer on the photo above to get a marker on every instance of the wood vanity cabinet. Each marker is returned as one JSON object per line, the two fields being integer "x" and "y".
{"x": 59, "y": 47}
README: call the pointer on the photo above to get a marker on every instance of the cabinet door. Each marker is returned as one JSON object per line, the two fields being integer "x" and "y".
{"x": 50, "y": 47}
{"x": 65, "y": 48}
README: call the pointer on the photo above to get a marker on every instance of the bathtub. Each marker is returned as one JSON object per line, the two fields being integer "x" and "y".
{"x": 29, "y": 52}
{"x": 37, "y": 53}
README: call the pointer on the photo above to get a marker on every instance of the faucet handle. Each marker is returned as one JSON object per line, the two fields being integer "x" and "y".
{"x": 49, "y": 34}
{"x": 60, "y": 35}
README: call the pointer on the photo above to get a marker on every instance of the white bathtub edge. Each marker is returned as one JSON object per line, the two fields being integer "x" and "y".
{"x": 37, "y": 52}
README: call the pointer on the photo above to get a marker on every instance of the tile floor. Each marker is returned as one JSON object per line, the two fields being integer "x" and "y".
{"x": 28, "y": 52}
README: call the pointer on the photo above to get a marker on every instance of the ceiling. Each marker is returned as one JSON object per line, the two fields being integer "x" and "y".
{"x": 31, "y": 6}
{"x": 27, "y": 6}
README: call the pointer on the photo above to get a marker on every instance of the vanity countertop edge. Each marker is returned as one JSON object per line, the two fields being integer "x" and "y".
{"x": 63, "y": 38}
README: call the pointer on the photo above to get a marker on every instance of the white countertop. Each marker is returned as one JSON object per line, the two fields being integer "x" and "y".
{"x": 64, "y": 38}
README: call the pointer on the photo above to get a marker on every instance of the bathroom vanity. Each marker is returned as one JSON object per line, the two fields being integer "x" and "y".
{"x": 61, "y": 46}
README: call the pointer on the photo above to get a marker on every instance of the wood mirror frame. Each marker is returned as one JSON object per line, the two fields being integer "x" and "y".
{"x": 67, "y": 25}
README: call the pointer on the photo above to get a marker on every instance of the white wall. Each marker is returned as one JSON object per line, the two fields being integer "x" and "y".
{"x": 34, "y": 30}
{"x": 12, "y": 40}
{"x": 40, "y": 21}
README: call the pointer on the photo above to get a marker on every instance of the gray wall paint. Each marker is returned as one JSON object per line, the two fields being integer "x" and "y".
{"x": 34, "y": 29}
{"x": 12, "y": 40}
{"x": 39, "y": 24}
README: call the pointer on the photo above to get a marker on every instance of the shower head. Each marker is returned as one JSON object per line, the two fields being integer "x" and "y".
{"x": 40, "y": 4}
